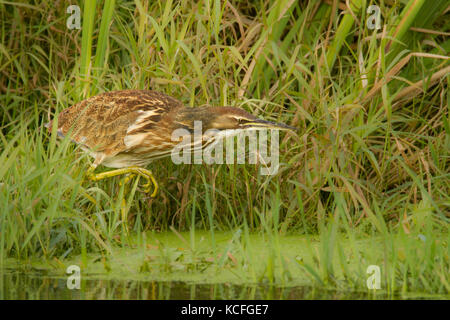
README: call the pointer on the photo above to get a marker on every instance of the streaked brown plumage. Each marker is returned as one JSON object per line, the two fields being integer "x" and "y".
{"x": 113, "y": 122}
{"x": 130, "y": 128}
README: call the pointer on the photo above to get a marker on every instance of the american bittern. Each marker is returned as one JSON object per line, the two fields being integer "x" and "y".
{"x": 130, "y": 128}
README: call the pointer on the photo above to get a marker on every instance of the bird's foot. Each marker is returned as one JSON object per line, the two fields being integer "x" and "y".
{"x": 150, "y": 180}
{"x": 132, "y": 171}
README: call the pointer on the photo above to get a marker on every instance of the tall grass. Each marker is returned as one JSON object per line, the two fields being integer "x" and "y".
{"x": 371, "y": 160}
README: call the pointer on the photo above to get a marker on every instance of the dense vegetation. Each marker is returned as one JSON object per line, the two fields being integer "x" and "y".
{"x": 371, "y": 158}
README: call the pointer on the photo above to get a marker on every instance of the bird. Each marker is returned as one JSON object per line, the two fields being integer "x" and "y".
{"x": 127, "y": 129}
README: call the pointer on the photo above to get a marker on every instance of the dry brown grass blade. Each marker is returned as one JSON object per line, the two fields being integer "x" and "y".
{"x": 402, "y": 23}
{"x": 440, "y": 33}
{"x": 238, "y": 18}
{"x": 249, "y": 72}
{"x": 252, "y": 65}
{"x": 417, "y": 88}
{"x": 396, "y": 69}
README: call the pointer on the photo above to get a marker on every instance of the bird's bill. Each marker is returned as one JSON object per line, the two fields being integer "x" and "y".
{"x": 268, "y": 125}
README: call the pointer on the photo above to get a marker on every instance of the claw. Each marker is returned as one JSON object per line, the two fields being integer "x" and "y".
{"x": 127, "y": 179}
{"x": 133, "y": 171}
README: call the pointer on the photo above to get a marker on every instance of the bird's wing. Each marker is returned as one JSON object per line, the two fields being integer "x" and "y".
{"x": 113, "y": 122}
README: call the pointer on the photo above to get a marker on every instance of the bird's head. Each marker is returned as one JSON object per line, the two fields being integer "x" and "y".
{"x": 225, "y": 118}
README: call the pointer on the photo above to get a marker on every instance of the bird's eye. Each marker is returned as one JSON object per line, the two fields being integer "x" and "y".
{"x": 242, "y": 121}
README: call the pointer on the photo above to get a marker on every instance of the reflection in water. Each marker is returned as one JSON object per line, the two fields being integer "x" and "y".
{"x": 17, "y": 285}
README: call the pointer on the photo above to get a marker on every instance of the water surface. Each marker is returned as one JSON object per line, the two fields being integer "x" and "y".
{"x": 41, "y": 286}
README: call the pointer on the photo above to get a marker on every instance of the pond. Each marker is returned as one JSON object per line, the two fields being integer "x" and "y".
{"x": 185, "y": 265}
{"x": 42, "y": 286}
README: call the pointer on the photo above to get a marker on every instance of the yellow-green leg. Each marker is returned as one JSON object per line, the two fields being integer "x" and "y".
{"x": 123, "y": 204}
{"x": 141, "y": 172}
{"x": 132, "y": 171}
